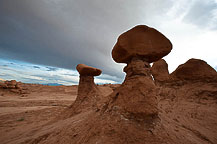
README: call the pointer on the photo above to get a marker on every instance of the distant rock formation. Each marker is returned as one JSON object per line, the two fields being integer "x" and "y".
{"x": 194, "y": 69}
{"x": 88, "y": 93}
{"x": 159, "y": 71}
{"x": 3, "y": 85}
{"x": 13, "y": 84}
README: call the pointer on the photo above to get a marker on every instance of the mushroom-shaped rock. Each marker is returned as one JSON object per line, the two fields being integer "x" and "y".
{"x": 194, "y": 69}
{"x": 136, "y": 97}
{"x": 159, "y": 70}
{"x": 85, "y": 70}
{"x": 88, "y": 93}
{"x": 141, "y": 41}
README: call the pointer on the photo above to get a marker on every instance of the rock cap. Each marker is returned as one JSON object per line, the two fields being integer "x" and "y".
{"x": 85, "y": 70}
{"x": 141, "y": 41}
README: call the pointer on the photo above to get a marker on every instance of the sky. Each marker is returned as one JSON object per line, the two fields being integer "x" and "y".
{"x": 42, "y": 41}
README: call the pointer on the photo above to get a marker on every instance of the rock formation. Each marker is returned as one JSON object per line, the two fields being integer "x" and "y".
{"x": 194, "y": 69}
{"x": 141, "y": 41}
{"x": 139, "y": 111}
{"x": 3, "y": 85}
{"x": 12, "y": 86}
{"x": 136, "y": 97}
{"x": 159, "y": 71}
{"x": 88, "y": 93}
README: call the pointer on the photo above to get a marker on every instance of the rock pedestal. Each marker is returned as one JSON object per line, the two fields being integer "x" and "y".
{"x": 87, "y": 89}
{"x": 88, "y": 93}
{"x": 136, "y": 97}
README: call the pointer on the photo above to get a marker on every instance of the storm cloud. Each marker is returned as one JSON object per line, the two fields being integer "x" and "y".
{"x": 64, "y": 33}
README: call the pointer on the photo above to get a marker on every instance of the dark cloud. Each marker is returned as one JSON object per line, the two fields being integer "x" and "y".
{"x": 36, "y": 67}
{"x": 203, "y": 13}
{"x": 64, "y": 33}
{"x": 68, "y": 32}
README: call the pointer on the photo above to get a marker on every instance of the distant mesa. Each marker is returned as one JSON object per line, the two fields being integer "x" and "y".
{"x": 85, "y": 70}
{"x": 141, "y": 41}
{"x": 194, "y": 69}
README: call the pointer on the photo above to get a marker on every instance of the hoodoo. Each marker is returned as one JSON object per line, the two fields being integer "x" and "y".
{"x": 194, "y": 69}
{"x": 159, "y": 71}
{"x": 179, "y": 110}
{"x": 88, "y": 92}
{"x": 136, "y": 98}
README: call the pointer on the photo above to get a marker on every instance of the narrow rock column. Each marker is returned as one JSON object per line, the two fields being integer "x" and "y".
{"x": 85, "y": 88}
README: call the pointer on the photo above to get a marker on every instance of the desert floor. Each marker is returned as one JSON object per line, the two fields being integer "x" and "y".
{"x": 187, "y": 113}
{"x": 20, "y": 114}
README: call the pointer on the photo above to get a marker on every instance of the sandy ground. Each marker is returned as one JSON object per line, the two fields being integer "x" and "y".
{"x": 22, "y": 113}
{"x": 188, "y": 114}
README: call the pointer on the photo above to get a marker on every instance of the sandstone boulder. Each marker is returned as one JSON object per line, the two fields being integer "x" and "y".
{"x": 159, "y": 70}
{"x": 85, "y": 70}
{"x": 141, "y": 41}
{"x": 194, "y": 69}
